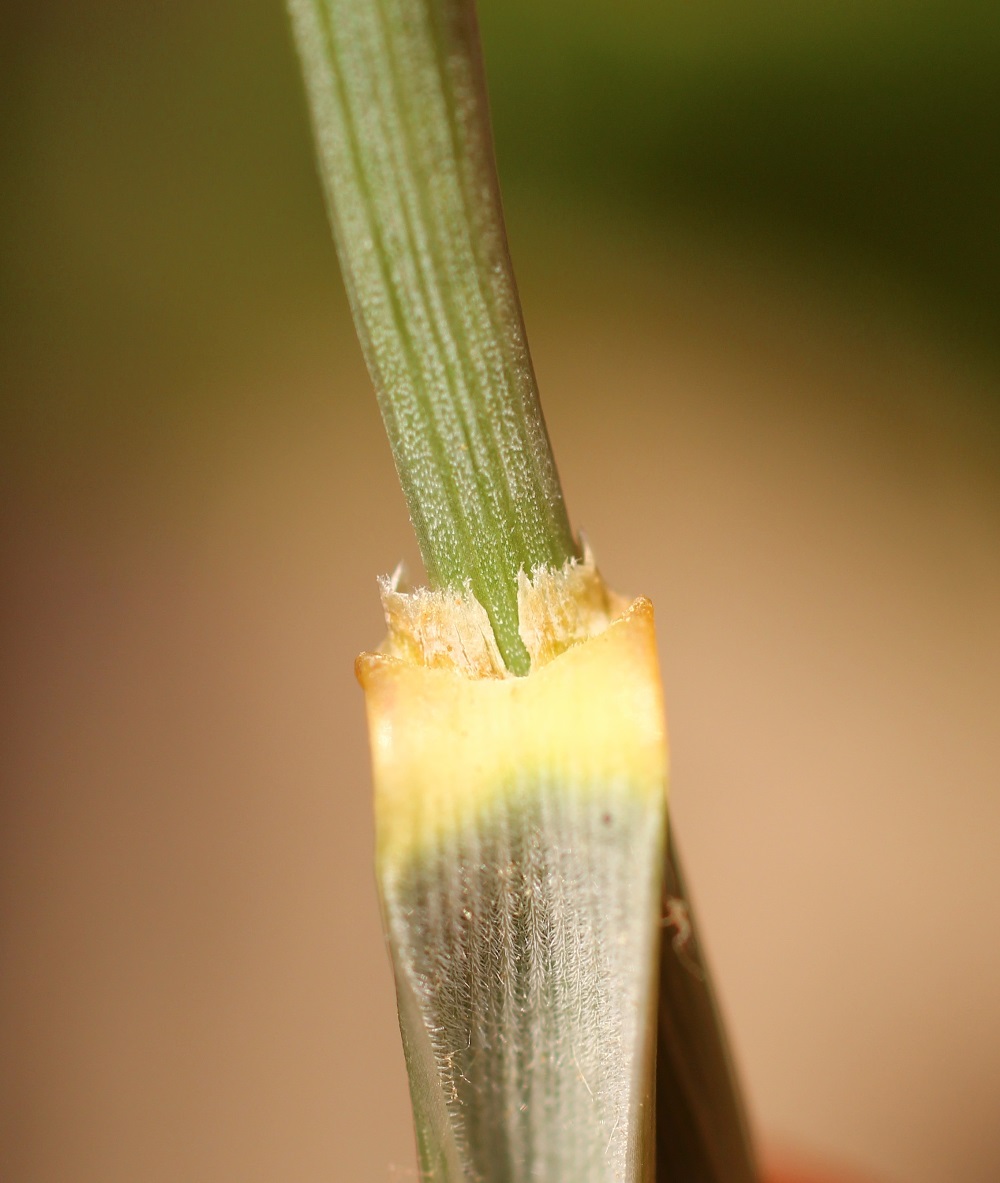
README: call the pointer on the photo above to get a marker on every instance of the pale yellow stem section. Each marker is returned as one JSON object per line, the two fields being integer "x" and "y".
{"x": 448, "y": 726}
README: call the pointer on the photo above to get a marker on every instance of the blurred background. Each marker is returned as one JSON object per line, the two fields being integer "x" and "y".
{"x": 759, "y": 252}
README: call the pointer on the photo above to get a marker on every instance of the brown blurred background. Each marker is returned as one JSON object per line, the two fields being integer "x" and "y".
{"x": 760, "y": 260}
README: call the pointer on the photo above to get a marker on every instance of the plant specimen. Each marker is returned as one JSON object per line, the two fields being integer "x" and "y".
{"x": 555, "y": 1010}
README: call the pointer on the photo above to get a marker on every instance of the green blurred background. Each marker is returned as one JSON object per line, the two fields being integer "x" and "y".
{"x": 759, "y": 250}
{"x": 160, "y": 201}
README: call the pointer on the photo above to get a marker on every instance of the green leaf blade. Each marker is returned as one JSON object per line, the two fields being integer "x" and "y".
{"x": 398, "y": 102}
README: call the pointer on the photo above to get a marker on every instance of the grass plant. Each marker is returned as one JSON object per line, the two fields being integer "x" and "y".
{"x": 555, "y": 1009}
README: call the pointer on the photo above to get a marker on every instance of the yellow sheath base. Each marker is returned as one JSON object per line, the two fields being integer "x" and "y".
{"x": 443, "y": 742}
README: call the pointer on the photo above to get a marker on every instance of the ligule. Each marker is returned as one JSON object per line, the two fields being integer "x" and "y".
{"x": 520, "y": 844}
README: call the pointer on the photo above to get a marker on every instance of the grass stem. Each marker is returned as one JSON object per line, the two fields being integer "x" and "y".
{"x": 399, "y": 107}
